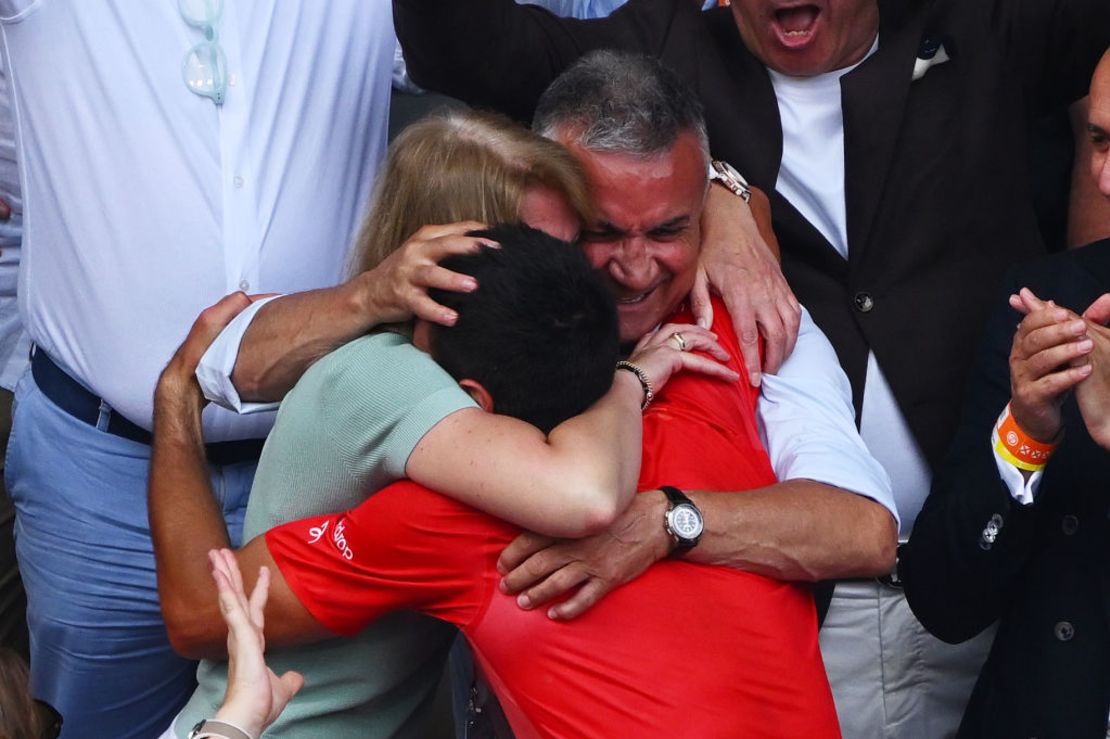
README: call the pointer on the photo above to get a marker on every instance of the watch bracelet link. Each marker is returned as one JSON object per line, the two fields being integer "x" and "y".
{"x": 645, "y": 381}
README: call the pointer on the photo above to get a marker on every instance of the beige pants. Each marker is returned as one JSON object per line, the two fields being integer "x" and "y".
{"x": 890, "y": 678}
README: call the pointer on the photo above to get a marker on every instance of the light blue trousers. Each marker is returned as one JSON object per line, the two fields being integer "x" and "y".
{"x": 99, "y": 652}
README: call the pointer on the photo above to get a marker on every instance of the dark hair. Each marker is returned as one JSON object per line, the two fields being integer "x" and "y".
{"x": 540, "y": 332}
{"x": 617, "y": 101}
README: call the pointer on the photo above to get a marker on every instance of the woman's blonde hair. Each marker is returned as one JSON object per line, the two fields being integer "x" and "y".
{"x": 19, "y": 719}
{"x": 460, "y": 166}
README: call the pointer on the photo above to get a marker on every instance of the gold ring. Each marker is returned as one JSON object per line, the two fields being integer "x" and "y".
{"x": 679, "y": 340}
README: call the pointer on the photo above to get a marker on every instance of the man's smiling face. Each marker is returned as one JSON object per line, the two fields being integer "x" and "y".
{"x": 803, "y": 38}
{"x": 646, "y": 237}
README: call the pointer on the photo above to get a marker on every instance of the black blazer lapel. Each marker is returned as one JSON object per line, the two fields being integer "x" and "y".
{"x": 873, "y": 98}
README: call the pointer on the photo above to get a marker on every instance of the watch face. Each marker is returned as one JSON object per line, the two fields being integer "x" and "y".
{"x": 686, "y": 521}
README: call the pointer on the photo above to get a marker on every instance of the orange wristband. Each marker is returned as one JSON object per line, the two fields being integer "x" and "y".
{"x": 1018, "y": 448}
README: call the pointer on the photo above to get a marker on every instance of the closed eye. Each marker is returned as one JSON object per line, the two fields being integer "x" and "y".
{"x": 670, "y": 230}
{"x": 602, "y": 233}
{"x": 1099, "y": 137}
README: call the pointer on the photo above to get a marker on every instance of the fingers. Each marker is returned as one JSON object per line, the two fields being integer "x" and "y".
{"x": 208, "y": 325}
{"x": 790, "y": 316}
{"x": 555, "y": 585}
{"x": 1033, "y": 400}
{"x": 521, "y": 548}
{"x": 437, "y": 231}
{"x": 1048, "y": 358}
{"x": 398, "y": 287}
{"x": 661, "y": 354}
{"x": 5, "y": 210}
{"x": 774, "y": 343}
{"x": 700, "y": 304}
{"x": 706, "y": 366}
{"x": 694, "y": 339}
{"x": 233, "y": 605}
{"x": 291, "y": 683}
{"x": 259, "y": 596}
{"x": 231, "y": 566}
{"x": 1099, "y": 311}
{"x": 534, "y": 570}
{"x": 586, "y": 597}
{"x": 743, "y": 320}
{"x": 424, "y": 307}
{"x": 421, "y": 305}
{"x": 1042, "y": 331}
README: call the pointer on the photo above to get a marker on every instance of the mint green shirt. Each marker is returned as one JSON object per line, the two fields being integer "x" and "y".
{"x": 344, "y": 431}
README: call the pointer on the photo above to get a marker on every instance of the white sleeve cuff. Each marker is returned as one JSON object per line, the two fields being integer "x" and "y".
{"x": 808, "y": 424}
{"x": 1022, "y": 490}
{"x": 215, "y": 368}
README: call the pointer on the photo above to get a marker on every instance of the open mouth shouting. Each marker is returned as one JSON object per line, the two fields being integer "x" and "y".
{"x": 796, "y": 26}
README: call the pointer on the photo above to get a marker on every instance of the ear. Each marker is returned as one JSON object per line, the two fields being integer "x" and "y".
{"x": 480, "y": 395}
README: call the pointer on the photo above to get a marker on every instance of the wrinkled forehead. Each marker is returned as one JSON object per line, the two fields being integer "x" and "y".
{"x": 634, "y": 191}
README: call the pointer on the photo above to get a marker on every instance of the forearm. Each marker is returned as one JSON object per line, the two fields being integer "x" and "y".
{"x": 727, "y": 219}
{"x": 185, "y": 523}
{"x": 796, "y": 530}
{"x": 570, "y": 483}
{"x": 293, "y": 331}
{"x": 601, "y": 451}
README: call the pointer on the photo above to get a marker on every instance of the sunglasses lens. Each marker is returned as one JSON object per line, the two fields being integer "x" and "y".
{"x": 205, "y": 71}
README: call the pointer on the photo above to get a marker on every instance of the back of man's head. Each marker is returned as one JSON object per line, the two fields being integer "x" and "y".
{"x": 618, "y": 102}
{"x": 539, "y": 333}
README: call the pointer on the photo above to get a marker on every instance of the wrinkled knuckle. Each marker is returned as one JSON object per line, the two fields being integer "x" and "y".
{"x": 534, "y": 567}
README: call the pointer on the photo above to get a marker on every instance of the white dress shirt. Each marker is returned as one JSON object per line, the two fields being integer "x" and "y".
{"x": 145, "y": 203}
{"x": 14, "y": 344}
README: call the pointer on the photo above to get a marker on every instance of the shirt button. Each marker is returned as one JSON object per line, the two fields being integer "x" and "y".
{"x": 244, "y": 285}
{"x": 237, "y": 181}
{"x": 864, "y": 302}
{"x": 1064, "y": 631}
{"x": 1069, "y": 524}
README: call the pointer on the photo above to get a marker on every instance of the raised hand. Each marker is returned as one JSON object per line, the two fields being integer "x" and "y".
{"x": 1048, "y": 357}
{"x": 255, "y": 695}
{"x": 397, "y": 289}
{"x": 739, "y": 262}
{"x": 669, "y": 350}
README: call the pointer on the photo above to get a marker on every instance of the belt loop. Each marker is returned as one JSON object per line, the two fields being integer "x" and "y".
{"x": 104, "y": 417}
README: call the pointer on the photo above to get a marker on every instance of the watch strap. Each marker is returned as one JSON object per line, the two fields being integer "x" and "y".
{"x": 217, "y": 730}
{"x": 675, "y": 496}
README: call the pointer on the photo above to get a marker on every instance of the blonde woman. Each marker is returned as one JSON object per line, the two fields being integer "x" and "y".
{"x": 378, "y": 409}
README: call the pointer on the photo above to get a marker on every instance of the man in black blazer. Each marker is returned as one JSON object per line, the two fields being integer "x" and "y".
{"x": 891, "y": 249}
{"x": 1027, "y": 542}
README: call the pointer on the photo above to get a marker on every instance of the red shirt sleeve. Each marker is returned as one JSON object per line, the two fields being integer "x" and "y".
{"x": 405, "y": 548}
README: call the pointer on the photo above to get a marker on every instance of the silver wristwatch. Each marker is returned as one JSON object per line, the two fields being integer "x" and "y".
{"x": 726, "y": 174}
{"x": 683, "y": 520}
